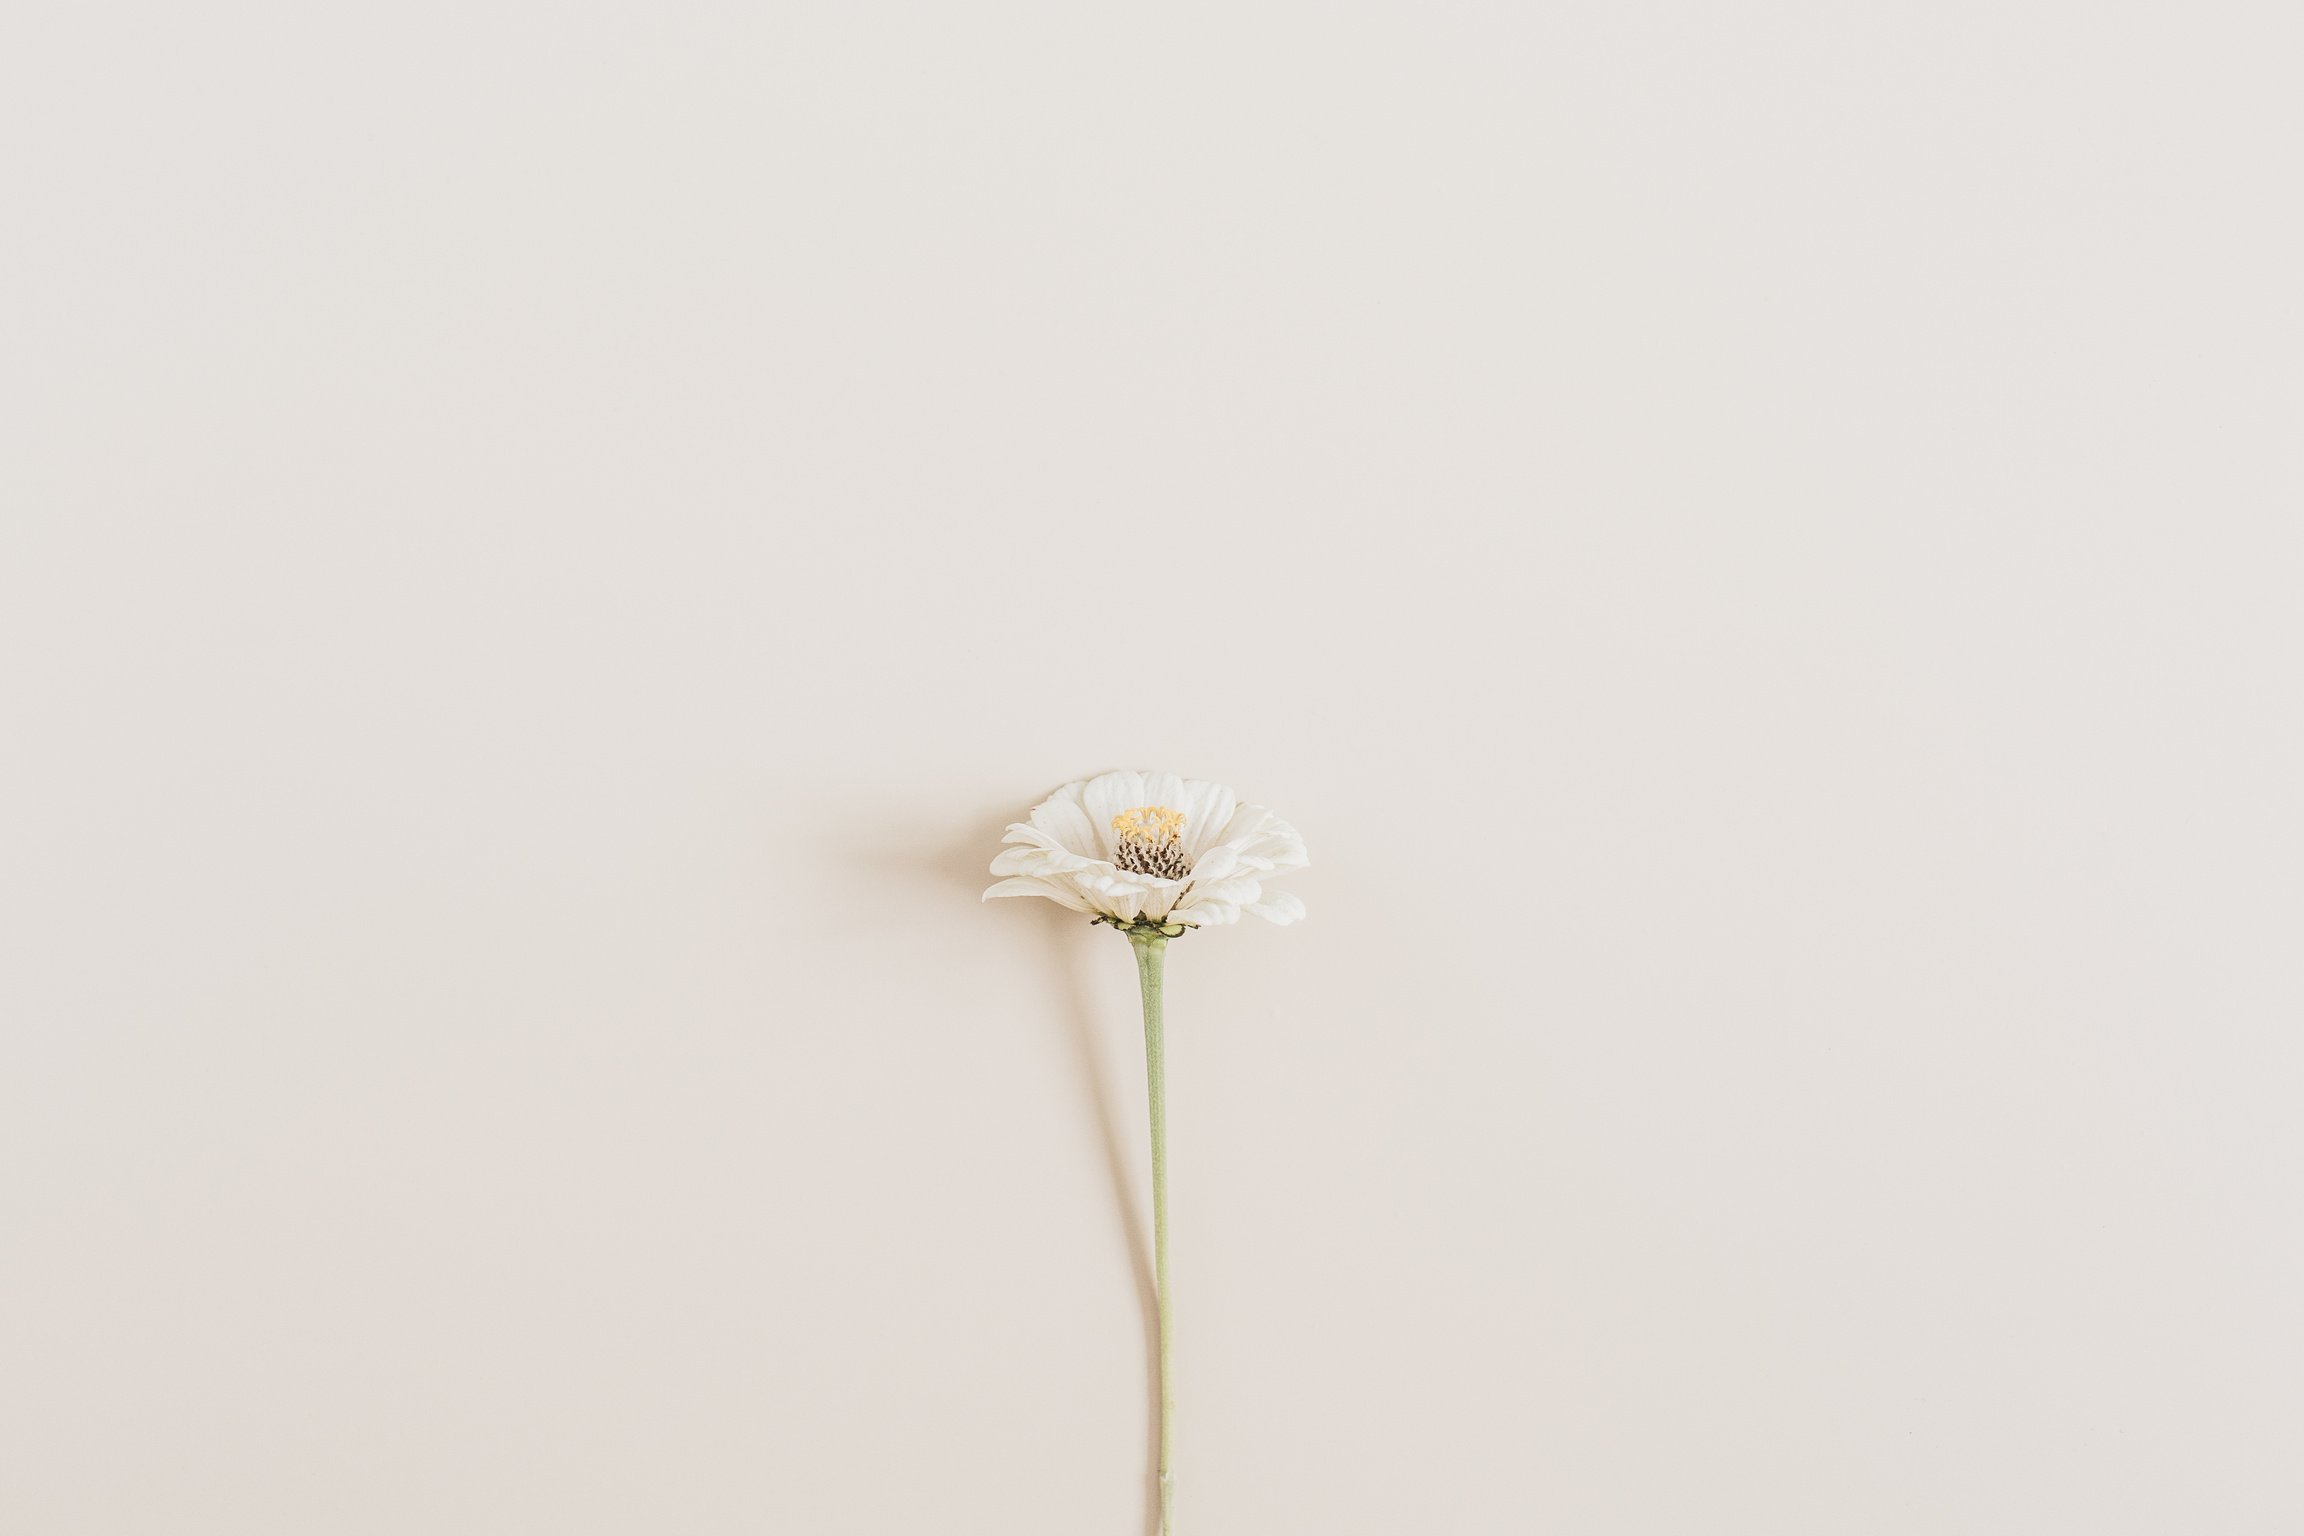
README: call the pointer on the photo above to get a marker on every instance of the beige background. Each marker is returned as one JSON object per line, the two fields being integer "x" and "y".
{"x": 1758, "y": 543}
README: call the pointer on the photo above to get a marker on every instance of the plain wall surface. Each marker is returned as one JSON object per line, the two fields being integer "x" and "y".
{"x": 541, "y": 545}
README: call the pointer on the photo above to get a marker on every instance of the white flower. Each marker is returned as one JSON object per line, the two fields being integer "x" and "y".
{"x": 1152, "y": 848}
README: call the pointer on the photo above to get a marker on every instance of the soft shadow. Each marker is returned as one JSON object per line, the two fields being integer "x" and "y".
{"x": 1091, "y": 1053}
{"x": 1067, "y": 940}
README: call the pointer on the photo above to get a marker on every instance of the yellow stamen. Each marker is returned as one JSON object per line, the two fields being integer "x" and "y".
{"x": 1149, "y": 824}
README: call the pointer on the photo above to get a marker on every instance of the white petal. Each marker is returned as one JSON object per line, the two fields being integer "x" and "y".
{"x": 1063, "y": 818}
{"x": 1061, "y": 894}
{"x": 1163, "y": 789}
{"x": 1238, "y": 891}
{"x": 1034, "y": 852}
{"x": 1107, "y": 881}
{"x": 1282, "y": 907}
{"x": 1286, "y": 845}
{"x": 1105, "y": 797}
{"x": 1160, "y": 897}
{"x": 1263, "y": 841}
{"x": 1243, "y": 824}
{"x": 1103, "y": 905}
{"x": 1216, "y": 863}
{"x": 1207, "y": 807}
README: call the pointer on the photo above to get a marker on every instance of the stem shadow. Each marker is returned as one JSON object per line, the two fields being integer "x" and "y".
{"x": 1091, "y": 1055}
{"x": 1088, "y": 1044}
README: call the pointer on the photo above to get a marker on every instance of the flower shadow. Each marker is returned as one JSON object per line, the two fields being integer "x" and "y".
{"x": 1088, "y": 1043}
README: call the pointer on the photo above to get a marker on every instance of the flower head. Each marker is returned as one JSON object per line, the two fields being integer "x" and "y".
{"x": 1152, "y": 848}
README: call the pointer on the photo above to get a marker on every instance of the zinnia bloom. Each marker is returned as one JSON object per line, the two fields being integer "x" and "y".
{"x": 1152, "y": 850}
{"x": 1155, "y": 856}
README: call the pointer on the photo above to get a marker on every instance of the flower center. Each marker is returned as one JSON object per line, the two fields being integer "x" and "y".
{"x": 1150, "y": 842}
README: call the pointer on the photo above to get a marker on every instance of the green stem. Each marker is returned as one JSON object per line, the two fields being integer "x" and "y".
{"x": 1151, "y": 953}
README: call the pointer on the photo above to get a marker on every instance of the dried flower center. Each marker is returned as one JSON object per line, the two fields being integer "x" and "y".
{"x": 1150, "y": 842}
